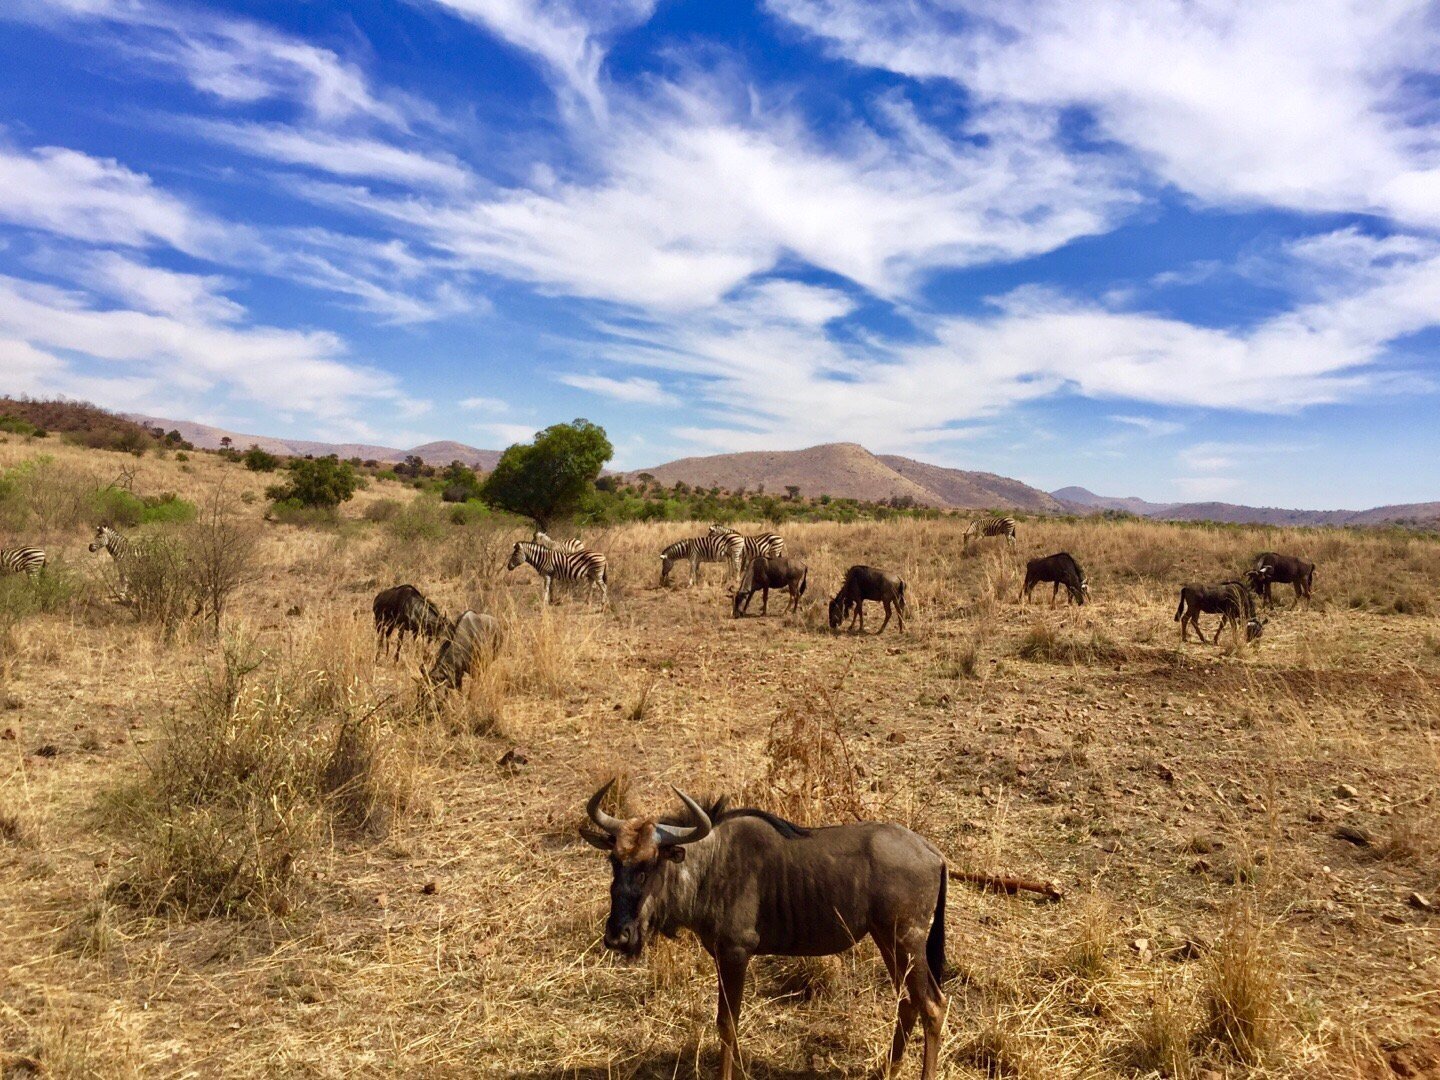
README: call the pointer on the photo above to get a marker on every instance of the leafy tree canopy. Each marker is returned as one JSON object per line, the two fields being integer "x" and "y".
{"x": 549, "y": 479}
{"x": 321, "y": 482}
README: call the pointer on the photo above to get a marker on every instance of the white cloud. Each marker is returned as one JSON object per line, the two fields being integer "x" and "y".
{"x": 507, "y": 434}
{"x": 1150, "y": 425}
{"x": 158, "y": 291}
{"x": 485, "y": 404}
{"x": 569, "y": 36}
{"x": 693, "y": 200}
{"x": 1309, "y": 104}
{"x": 1206, "y": 488}
{"x": 633, "y": 391}
{"x": 339, "y": 155}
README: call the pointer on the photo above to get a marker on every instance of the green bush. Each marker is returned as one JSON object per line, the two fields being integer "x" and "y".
{"x": 15, "y": 426}
{"x": 166, "y": 509}
{"x": 317, "y": 482}
{"x": 257, "y": 460}
{"x": 294, "y": 512}
{"x": 118, "y": 507}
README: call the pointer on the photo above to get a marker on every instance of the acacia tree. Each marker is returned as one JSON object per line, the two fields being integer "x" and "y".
{"x": 547, "y": 480}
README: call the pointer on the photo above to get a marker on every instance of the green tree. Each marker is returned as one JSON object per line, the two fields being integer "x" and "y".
{"x": 460, "y": 483}
{"x": 548, "y": 479}
{"x": 320, "y": 482}
{"x": 257, "y": 460}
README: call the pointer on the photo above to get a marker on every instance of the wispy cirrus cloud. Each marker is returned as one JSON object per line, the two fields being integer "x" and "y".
{"x": 632, "y": 391}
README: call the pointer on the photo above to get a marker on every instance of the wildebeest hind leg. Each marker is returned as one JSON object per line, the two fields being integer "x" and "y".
{"x": 905, "y": 1011}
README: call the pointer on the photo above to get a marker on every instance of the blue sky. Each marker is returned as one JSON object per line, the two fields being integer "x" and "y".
{"x": 1185, "y": 250}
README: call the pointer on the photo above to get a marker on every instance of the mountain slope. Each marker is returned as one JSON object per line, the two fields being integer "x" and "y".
{"x": 849, "y": 471}
{"x": 1083, "y": 501}
{"x": 433, "y": 453}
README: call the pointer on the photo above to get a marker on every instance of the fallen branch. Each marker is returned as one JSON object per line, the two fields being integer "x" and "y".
{"x": 1011, "y": 885}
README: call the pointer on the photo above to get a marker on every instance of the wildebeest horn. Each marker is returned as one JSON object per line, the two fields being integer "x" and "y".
{"x": 610, "y": 824}
{"x": 673, "y": 834}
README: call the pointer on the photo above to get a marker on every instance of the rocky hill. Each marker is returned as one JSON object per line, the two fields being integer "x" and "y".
{"x": 848, "y": 470}
{"x": 1423, "y": 515}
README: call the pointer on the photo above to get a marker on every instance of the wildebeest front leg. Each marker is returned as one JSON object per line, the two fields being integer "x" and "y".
{"x": 730, "y": 967}
{"x": 764, "y": 601}
{"x": 886, "y": 621}
{"x": 1054, "y": 591}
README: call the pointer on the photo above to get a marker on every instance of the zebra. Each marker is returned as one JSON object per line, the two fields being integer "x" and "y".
{"x": 121, "y": 548}
{"x": 583, "y": 565}
{"x": 573, "y": 544}
{"x": 712, "y": 547}
{"x": 22, "y": 561}
{"x": 994, "y": 525}
{"x": 767, "y": 544}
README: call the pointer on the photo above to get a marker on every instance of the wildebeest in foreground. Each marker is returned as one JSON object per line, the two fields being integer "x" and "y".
{"x": 867, "y": 583}
{"x": 1231, "y": 600}
{"x": 1271, "y": 569}
{"x": 475, "y": 637}
{"x": 405, "y": 609}
{"x": 1059, "y": 569}
{"x": 764, "y": 574}
{"x": 747, "y": 884}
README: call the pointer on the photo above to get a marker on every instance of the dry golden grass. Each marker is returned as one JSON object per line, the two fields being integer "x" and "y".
{"x": 294, "y": 859}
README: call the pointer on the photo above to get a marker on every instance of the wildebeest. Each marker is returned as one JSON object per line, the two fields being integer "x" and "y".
{"x": 1271, "y": 569}
{"x": 475, "y": 637}
{"x": 405, "y": 609}
{"x": 1231, "y": 600}
{"x": 747, "y": 883}
{"x": 1059, "y": 569}
{"x": 867, "y": 583}
{"x": 765, "y": 574}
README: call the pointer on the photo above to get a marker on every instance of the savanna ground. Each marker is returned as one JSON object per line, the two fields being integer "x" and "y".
{"x": 267, "y": 853}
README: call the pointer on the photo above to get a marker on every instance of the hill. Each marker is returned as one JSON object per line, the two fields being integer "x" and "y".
{"x": 849, "y": 471}
{"x": 81, "y": 422}
{"x": 208, "y": 437}
{"x": 1426, "y": 515}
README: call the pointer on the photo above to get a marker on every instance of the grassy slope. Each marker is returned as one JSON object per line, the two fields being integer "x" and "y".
{"x": 1168, "y": 788}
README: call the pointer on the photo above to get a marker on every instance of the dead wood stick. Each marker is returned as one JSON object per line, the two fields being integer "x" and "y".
{"x": 1012, "y": 885}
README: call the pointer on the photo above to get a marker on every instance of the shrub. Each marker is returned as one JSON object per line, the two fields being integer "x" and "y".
{"x": 220, "y": 556}
{"x": 257, "y": 460}
{"x": 382, "y": 510}
{"x": 166, "y": 509}
{"x": 317, "y": 482}
{"x": 294, "y": 512}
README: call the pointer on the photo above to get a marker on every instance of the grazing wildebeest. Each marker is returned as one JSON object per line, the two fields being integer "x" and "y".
{"x": 1059, "y": 569}
{"x": 1271, "y": 569}
{"x": 475, "y": 637}
{"x": 405, "y": 609}
{"x": 765, "y": 574}
{"x": 1231, "y": 600}
{"x": 867, "y": 583}
{"x": 747, "y": 883}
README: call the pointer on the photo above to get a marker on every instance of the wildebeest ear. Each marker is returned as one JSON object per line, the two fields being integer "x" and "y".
{"x": 603, "y": 841}
{"x": 673, "y": 852}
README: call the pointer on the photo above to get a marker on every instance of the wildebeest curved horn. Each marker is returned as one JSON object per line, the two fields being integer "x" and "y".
{"x": 673, "y": 834}
{"x": 610, "y": 824}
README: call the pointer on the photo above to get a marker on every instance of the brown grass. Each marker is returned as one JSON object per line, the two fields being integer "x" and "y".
{"x": 384, "y": 896}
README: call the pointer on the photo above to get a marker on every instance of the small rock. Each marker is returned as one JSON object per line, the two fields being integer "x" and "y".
{"x": 1109, "y": 845}
{"x": 8, "y": 734}
{"x": 1165, "y": 773}
{"x": 294, "y": 610}
{"x": 514, "y": 758}
{"x": 985, "y": 790}
{"x": 1421, "y": 901}
{"x": 896, "y": 737}
{"x": 382, "y": 901}
{"x": 1141, "y": 945}
{"x": 48, "y": 750}
{"x": 1355, "y": 835}
{"x": 1209, "y": 1074}
{"x": 1345, "y": 791}
{"x": 430, "y": 888}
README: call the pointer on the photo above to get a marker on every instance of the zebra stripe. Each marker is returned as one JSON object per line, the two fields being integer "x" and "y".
{"x": 21, "y": 561}
{"x": 574, "y": 544}
{"x": 712, "y": 547}
{"x": 583, "y": 565}
{"x": 768, "y": 544}
{"x": 995, "y": 525}
{"x": 119, "y": 547}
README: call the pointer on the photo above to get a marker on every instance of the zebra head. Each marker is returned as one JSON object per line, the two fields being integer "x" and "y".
{"x": 517, "y": 555}
{"x": 103, "y": 533}
{"x": 721, "y": 530}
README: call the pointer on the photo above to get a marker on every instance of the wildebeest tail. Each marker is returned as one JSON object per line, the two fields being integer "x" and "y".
{"x": 900, "y": 599}
{"x": 935, "y": 943}
{"x": 1181, "y": 609}
{"x": 804, "y": 579}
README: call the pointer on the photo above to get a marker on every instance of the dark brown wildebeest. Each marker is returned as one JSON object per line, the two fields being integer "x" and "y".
{"x": 748, "y": 884}
{"x": 1271, "y": 569}
{"x": 1059, "y": 569}
{"x": 1231, "y": 600}
{"x": 475, "y": 637}
{"x": 867, "y": 583}
{"x": 405, "y": 609}
{"x": 764, "y": 574}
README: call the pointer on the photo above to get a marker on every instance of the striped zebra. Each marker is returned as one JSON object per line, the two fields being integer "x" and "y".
{"x": 583, "y": 565}
{"x": 712, "y": 547}
{"x": 994, "y": 525}
{"x": 120, "y": 547}
{"x": 21, "y": 561}
{"x": 770, "y": 545}
{"x": 574, "y": 544}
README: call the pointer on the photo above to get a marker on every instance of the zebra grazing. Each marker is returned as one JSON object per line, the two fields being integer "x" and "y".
{"x": 549, "y": 563}
{"x": 712, "y": 547}
{"x": 21, "y": 561}
{"x": 574, "y": 544}
{"x": 995, "y": 525}
{"x": 768, "y": 545}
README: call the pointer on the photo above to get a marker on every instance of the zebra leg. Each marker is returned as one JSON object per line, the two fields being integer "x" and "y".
{"x": 546, "y": 595}
{"x": 694, "y": 569}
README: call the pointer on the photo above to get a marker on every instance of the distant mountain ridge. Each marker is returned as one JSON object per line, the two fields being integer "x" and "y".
{"x": 432, "y": 453}
{"x": 1083, "y": 501}
{"x": 849, "y": 471}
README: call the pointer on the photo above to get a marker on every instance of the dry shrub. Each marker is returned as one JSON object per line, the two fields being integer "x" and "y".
{"x": 1089, "y": 955}
{"x": 811, "y": 773}
{"x": 964, "y": 658}
{"x": 1241, "y": 992}
{"x": 1160, "y": 1041}
{"x": 220, "y": 555}
{"x": 1414, "y": 835}
{"x": 12, "y": 829}
{"x": 996, "y": 1050}
{"x": 1043, "y": 642}
{"x": 251, "y": 774}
